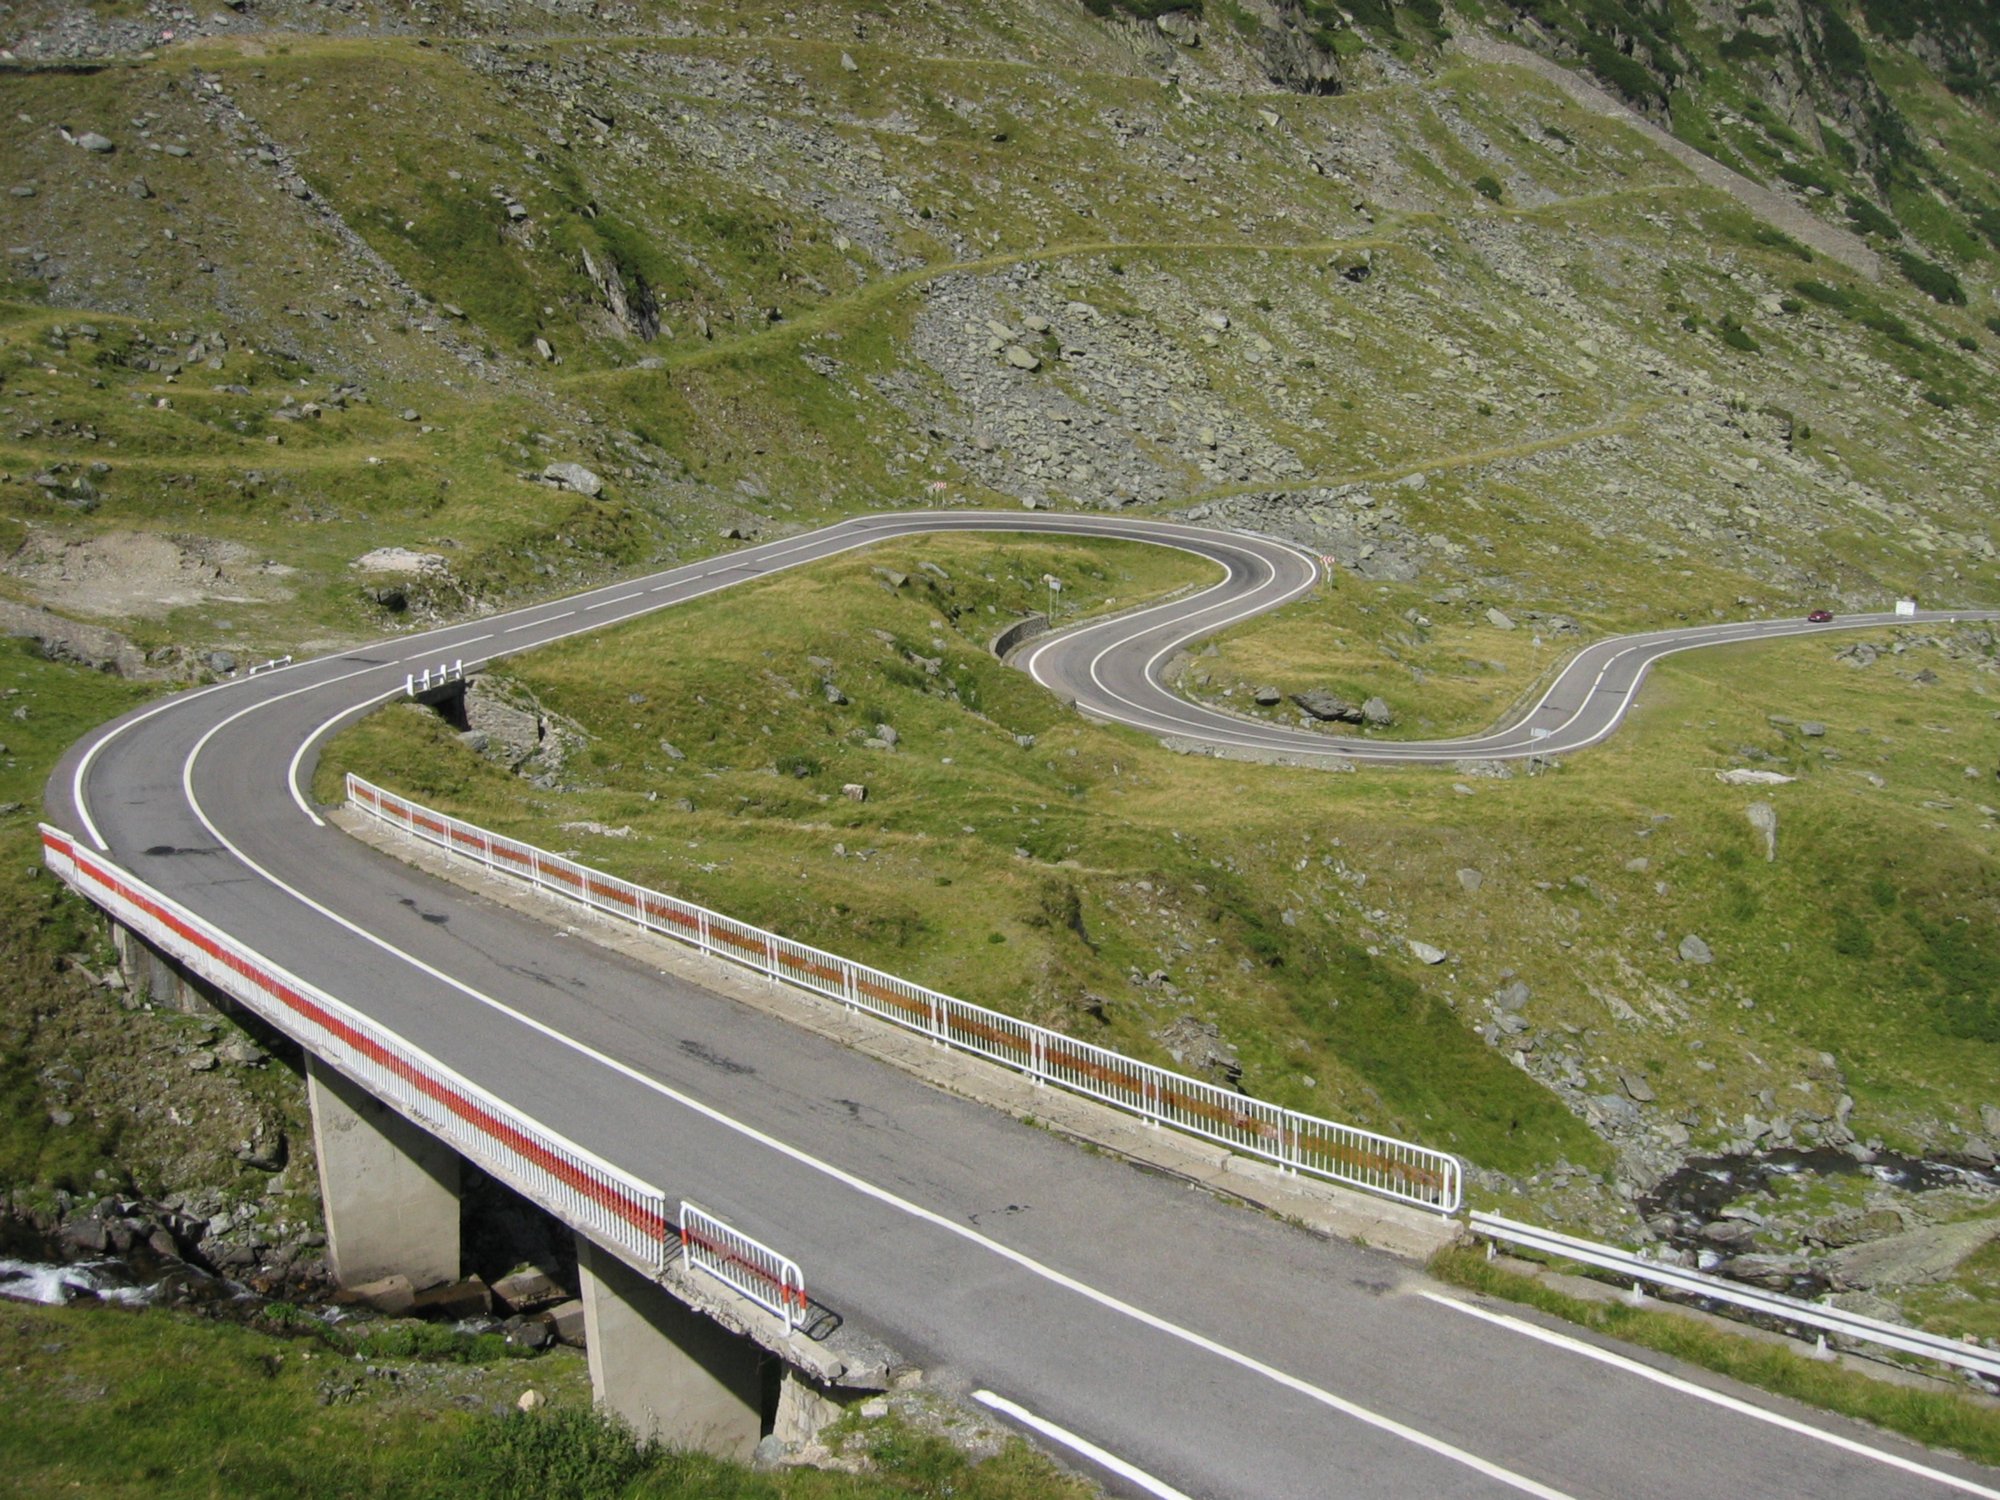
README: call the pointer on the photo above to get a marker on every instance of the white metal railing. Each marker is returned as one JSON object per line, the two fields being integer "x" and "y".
{"x": 1297, "y": 1142}
{"x": 269, "y": 666}
{"x": 442, "y": 675}
{"x": 1823, "y": 1319}
{"x": 577, "y": 1186}
{"x": 760, "y": 1273}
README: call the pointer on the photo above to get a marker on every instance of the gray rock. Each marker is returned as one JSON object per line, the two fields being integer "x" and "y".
{"x": 1812, "y": 729}
{"x": 1327, "y": 706}
{"x": 671, "y": 751}
{"x": 1694, "y": 951}
{"x": 1729, "y": 1234}
{"x": 854, "y": 791}
{"x": 1376, "y": 711}
{"x": 1868, "y": 1305}
{"x": 221, "y": 662}
{"x": 1471, "y": 880}
{"x": 527, "y": 1333}
{"x": 1989, "y": 1119}
{"x": 1427, "y": 953}
{"x": 1913, "y": 1258}
{"x": 574, "y": 477}
{"x": 200, "y": 1062}
{"x": 1022, "y": 359}
{"x": 1764, "y": 818}
{"x": 90, "y": 140}
{"x": 1513, "y": 996}
{"x": 1266, "y": 697}
{"x": 886, "y": 735}
{"x": 1637, "y": 1088}
{"x": 1499, "y": 620}
{"x": 1777, "y": 1272}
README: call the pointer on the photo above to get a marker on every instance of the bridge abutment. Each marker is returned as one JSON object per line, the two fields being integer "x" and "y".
{"x": 389, "y": 1188}
{"x": 665, "y": 1368}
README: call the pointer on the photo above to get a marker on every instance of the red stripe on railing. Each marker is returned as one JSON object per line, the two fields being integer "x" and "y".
{"x": 650, "y": 1224}
{"x": 787, "y": 1293}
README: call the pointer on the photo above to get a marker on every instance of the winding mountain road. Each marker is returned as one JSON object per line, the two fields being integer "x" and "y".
{"x": 1216, "y": 1352}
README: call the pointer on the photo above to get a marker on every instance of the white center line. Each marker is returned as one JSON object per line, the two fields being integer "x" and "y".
{"x": 854, "y": 1182}
{"x": 545, "y": 620}
{"x": 607, "y": 603}
{"x": 1718, "y": 1398}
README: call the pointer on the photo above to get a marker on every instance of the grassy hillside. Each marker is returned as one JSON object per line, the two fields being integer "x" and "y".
{"x": 294, "y": 290}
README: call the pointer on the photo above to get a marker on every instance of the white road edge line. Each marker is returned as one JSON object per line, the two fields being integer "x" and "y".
{"x": 298, "y": 755}
{"x": 1090, "y": 1450}
{"x": 857, "y": 1184}
{"x": 1717, "y": 1398}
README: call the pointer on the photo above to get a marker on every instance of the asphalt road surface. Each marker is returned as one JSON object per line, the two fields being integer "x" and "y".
{"x": 1214, "y": 1352}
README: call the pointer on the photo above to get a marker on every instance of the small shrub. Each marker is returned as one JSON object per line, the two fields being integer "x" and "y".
{"x": 1967, "y": 342}
{"x": 1143, "y": 10}
{"x": 1940, "y": 400}
{"x": 1736, "y": 336}
{"x": 1791, "y": 305}
{"x": 1930, "y": 278}
{"x": 1826, "y": 296}
{"x": 1993, "y": 323}
{"x": 571, "y": 1451}
{"x": 1487, "y": 186}
{"x": 1896, "y": 330}
{"x": 1869, "y": 219}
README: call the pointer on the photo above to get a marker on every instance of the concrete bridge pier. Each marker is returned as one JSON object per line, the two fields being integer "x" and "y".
{"x": 667, "y": 1369}
{"x": 390, "y": 1189}
{"x": 151, "y": 975}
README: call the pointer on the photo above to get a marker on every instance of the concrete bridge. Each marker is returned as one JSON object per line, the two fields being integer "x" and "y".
{"x": 1206, "y": 1349}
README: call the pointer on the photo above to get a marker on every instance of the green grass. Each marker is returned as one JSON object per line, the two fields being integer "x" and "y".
{"x": 114, "y": 1403}
{"x": 44, "y": 707}
{"x": 1937, "y": 1419}
{"x": 1243, "y": 884}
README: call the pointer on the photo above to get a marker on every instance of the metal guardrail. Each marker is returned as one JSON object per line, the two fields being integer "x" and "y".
{"x": 272, "y": 665}
{"x": 1822, "y": 1319}
{"x": 770, "y": 1280}
{"x": 576, "y": 1185}
{"x": 1296, "y": 1142}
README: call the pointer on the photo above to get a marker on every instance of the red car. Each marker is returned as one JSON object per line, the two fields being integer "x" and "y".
{"x": 1820, "y": 616}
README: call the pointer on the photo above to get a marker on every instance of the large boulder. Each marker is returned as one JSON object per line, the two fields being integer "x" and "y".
{"x": 1909, "y": 1259}
{"x": 1328, "y": 706}
{"x": 576, "y": 477}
